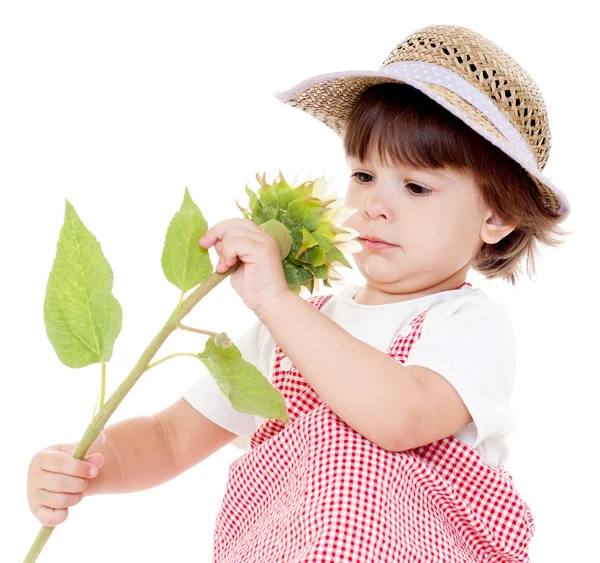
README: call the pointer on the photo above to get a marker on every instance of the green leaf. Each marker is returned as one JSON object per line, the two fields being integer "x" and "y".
{"x": 280, "y": 233}
{"x": 296, "y": 234}
{"x": 327, "y": 228}
{"x": 335, "y": 254}
{"x": 184, "y": 263}
{"x": 321, "y": 272}
{"x": 269, "y": 201}
{"x": 242, "y": 383}
{"x": 325, "y": 241}
{"x": 298, "y": 210}
{"x": 257, "y": 213}
{"x": 295, "y": 276}
{"x": 336, "y": 230}
{"x": 82, "y": 317}
{"x": 308, "y": 241}
{"x": 243, "y": 210}
{"x": 312, "y": 220}
{"x": 286, "y": 194}
{"x": 315, "y": 256}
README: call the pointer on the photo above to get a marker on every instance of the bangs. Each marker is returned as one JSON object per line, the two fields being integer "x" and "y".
{"x": 397, "y": 124}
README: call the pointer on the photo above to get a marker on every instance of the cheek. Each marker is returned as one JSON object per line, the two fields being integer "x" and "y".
{"x": 350, "y": 198}
{"x": 431, "y": 236}
{"x": 456, "y": 234}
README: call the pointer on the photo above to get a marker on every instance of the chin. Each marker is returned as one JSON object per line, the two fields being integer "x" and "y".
{"x": 380, "y": 274}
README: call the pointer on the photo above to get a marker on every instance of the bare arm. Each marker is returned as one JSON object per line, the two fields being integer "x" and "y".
{"x": 143, "y": 452}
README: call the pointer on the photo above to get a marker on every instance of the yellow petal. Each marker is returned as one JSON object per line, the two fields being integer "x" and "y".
{"x": 294, "y": 183}
{"x": 340, "y": 283}
{"x": 319, "y": 188}
{"x": 350, "y": 247}
{"x": 334, "y": 275}
{"x": 342, "y": 213}
{"x": 332, "y": 208}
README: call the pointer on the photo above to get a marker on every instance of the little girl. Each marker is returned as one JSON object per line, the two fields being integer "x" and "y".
{"x": 398, "y": 390}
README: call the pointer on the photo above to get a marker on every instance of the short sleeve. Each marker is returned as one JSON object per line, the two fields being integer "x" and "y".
{"x": 206, "y": 397}
{"x": 472, "y": 344}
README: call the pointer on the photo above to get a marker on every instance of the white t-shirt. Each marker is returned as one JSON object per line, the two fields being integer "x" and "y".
{"x": 467, "y": 337}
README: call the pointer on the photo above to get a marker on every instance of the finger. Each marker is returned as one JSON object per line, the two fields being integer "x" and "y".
{"x": 51, "y": 516}
{"x": 61, "y": 483}
{"x": 217, "y": 232}
{"x": 237, "y": 231}
{"x": 60, "y": 462}
{"x": 58, "y": 500}
{"x": 246, "y": 248}
{"x": 219, "y": 266}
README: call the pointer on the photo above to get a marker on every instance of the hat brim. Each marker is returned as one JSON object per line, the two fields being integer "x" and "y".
{"x": 330, "y": 97}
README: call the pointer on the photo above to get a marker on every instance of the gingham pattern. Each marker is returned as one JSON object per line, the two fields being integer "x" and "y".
{"x": 316, "y": 490}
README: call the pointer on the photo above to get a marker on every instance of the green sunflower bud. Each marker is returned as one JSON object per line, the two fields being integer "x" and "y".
{"x": 280, "y": 234}
{"x": 307, "y": 228}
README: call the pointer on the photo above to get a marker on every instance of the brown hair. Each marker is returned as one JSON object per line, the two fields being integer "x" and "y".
{"x": 404, "y": 124}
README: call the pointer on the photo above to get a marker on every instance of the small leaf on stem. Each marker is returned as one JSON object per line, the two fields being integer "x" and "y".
{"x": 242, "y": 383}
{"x": 184, "y": 263}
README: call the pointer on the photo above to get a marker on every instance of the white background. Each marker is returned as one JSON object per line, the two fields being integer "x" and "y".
{"x": 118, "y": 106}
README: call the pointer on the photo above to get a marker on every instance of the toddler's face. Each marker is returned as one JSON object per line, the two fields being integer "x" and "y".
{"x": 435, "y": 219}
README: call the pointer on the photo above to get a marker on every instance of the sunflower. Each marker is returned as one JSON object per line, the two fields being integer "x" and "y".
{"x": 313, "y": 221}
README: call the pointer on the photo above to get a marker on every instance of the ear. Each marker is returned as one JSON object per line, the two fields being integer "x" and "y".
{"x": 495, "y": 228}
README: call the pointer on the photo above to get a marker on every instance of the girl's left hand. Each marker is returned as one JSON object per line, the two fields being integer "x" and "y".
{"x": 260, "y": 278}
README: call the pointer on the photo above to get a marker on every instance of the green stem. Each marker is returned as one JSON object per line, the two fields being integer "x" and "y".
{"x": 103, "y": 385}
{"x": 150, "y": 366}
{"x": 210, "y": 333}
{"x": 99, "y": 421}
{"x": 100, "y": 396}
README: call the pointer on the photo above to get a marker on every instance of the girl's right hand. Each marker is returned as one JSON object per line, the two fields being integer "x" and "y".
{"x": 56, "y": 480}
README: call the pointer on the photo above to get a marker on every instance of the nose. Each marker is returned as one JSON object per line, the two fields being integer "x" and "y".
{"x": 377, "y": 205}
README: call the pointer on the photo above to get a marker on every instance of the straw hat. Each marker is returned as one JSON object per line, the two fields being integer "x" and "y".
{"x": 467, "y": 74}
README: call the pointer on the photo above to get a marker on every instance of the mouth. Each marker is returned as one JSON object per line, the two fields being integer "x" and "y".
{"x": 376, "y": 244}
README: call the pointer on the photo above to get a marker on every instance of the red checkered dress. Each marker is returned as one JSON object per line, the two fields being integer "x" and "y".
{"x": 316, "y": 490}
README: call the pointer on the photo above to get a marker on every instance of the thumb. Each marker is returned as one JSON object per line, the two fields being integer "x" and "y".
{"x": 96, "y": 458}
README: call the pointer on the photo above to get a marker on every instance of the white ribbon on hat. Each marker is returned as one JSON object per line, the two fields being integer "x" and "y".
{"x": 435, "y": 74}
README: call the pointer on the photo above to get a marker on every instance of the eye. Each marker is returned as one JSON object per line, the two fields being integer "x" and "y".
{"x": 360, "y": 174}
{"x": 423, "y": 190}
